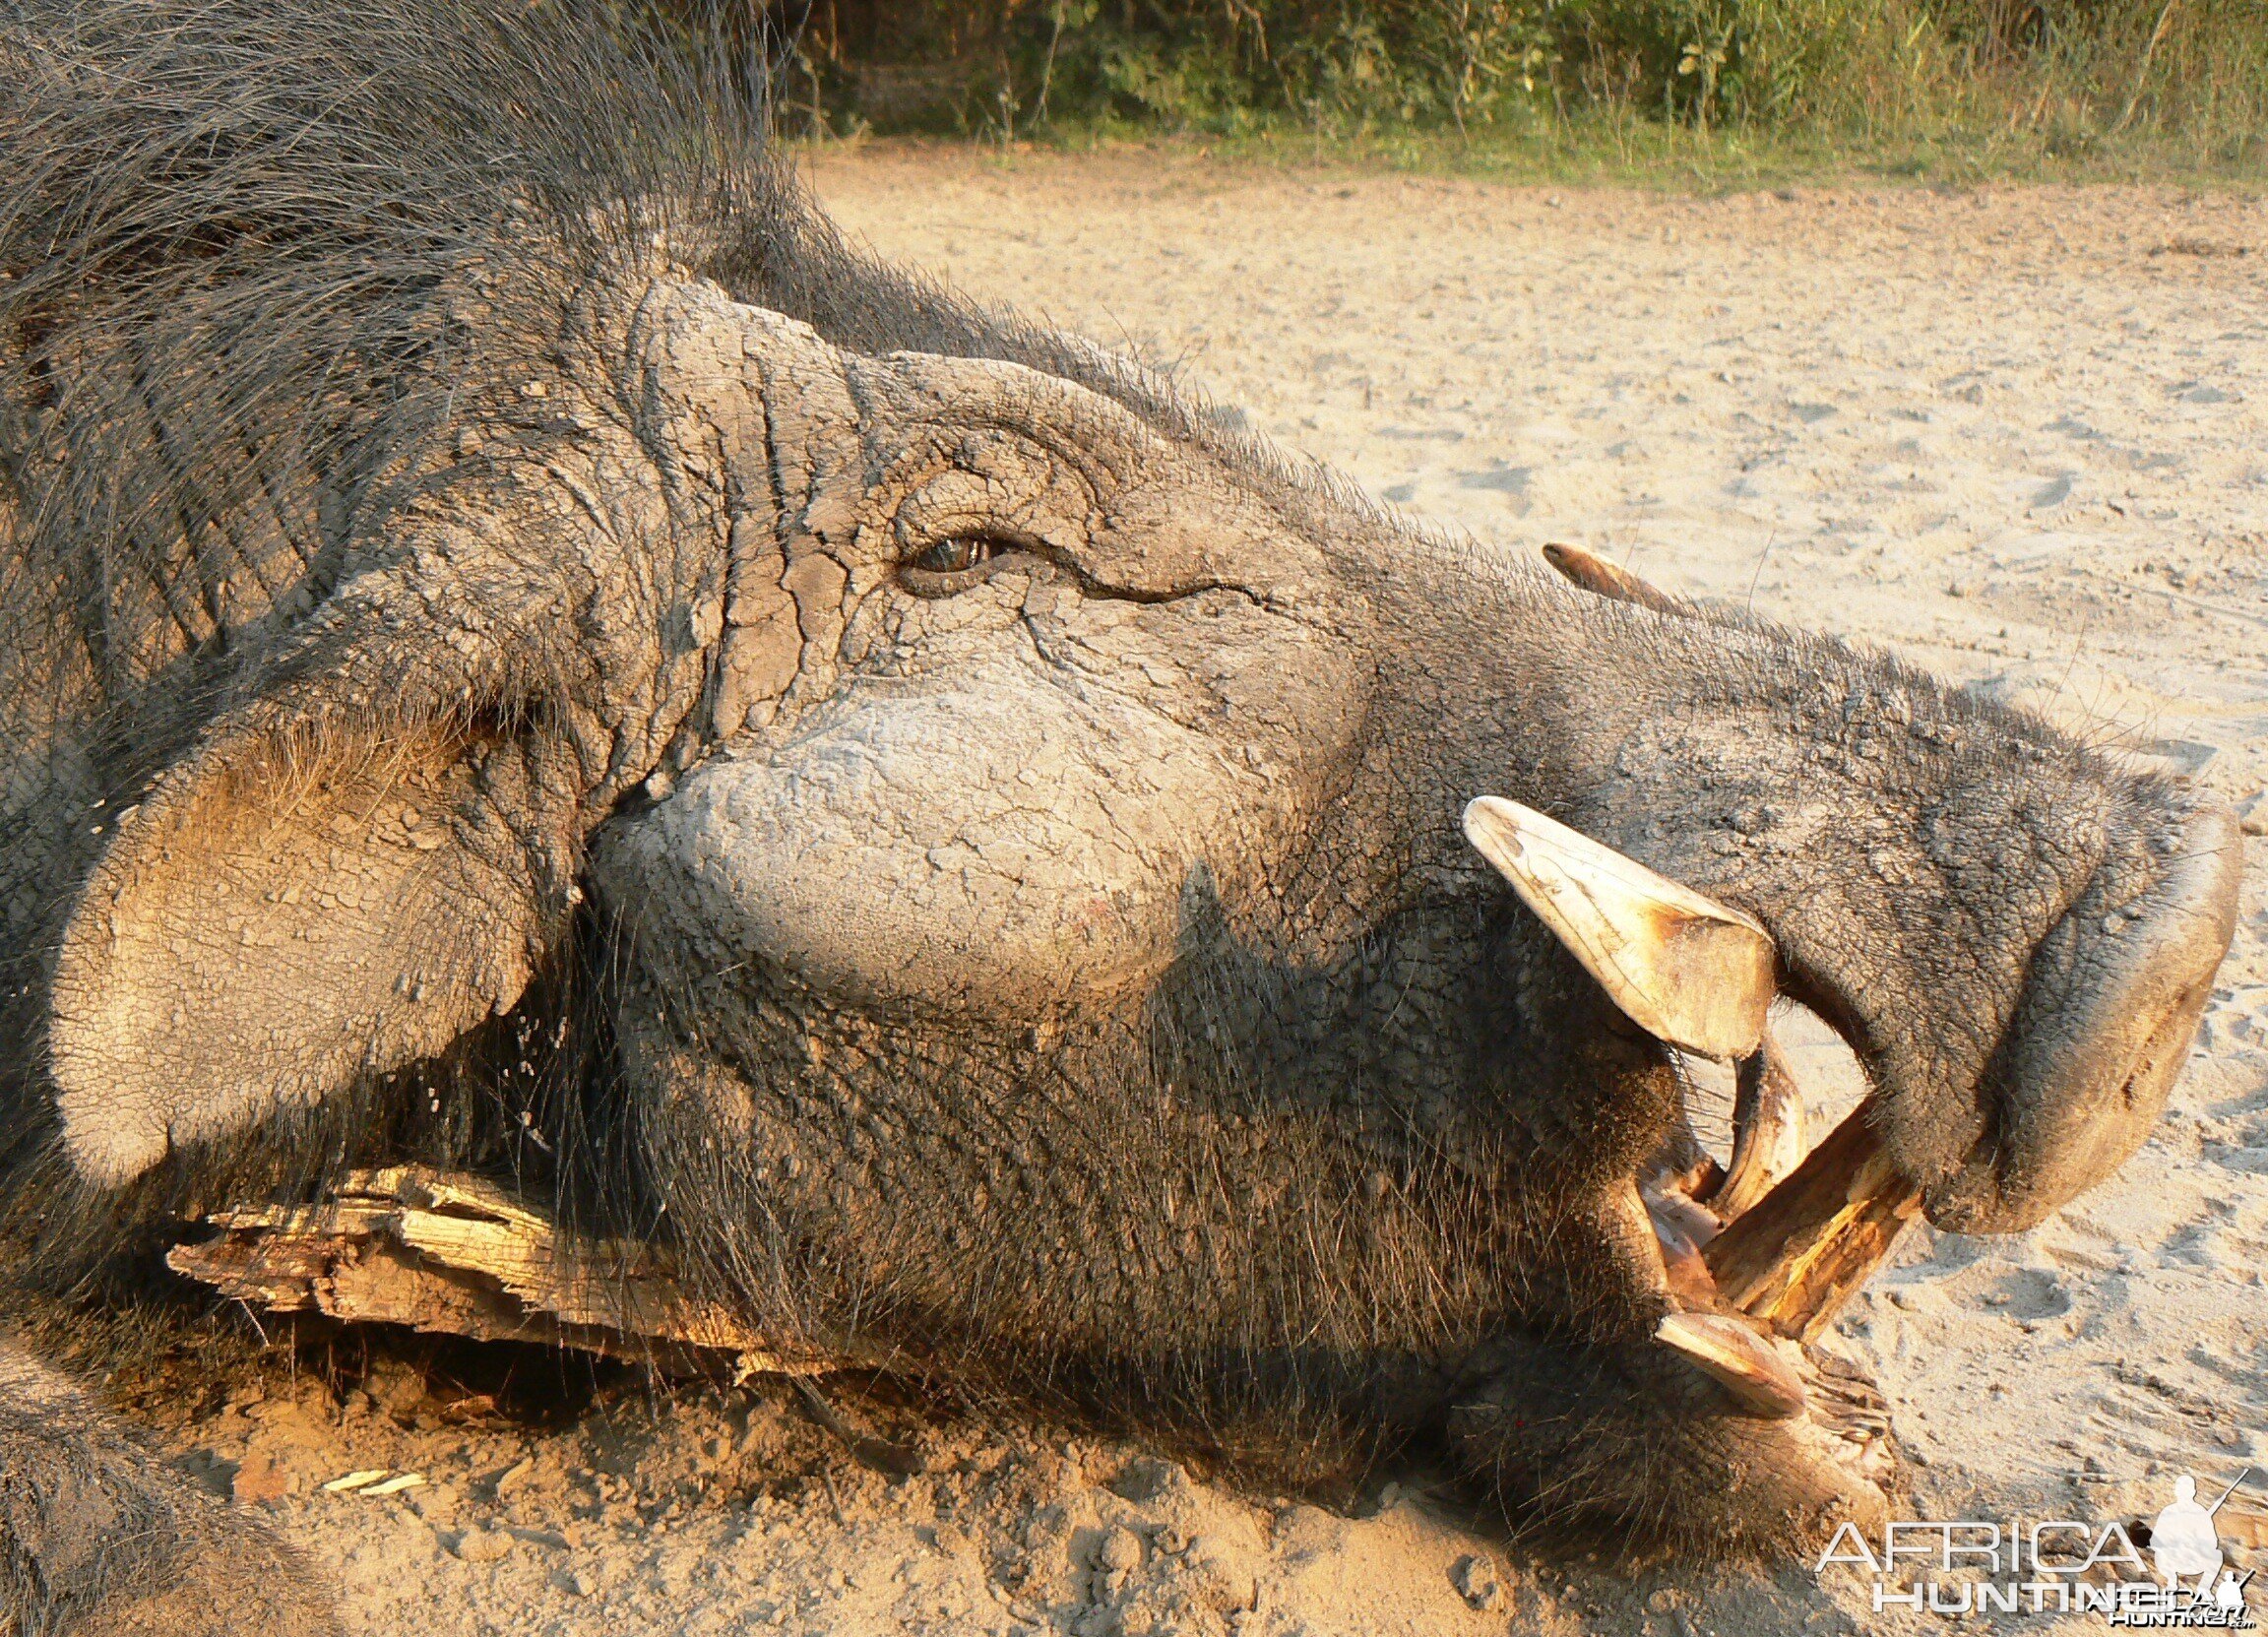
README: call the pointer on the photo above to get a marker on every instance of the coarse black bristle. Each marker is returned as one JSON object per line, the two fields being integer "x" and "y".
{"x": 225, "y": 235}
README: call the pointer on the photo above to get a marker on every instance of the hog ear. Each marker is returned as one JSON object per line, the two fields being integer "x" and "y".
{"x": 1608, "y": 579}
{"x": 309, "y": 895}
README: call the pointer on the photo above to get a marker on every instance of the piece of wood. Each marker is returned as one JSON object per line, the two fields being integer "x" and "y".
{"x": 457, "y": 1255}
{"x": 1793, "y": 1258}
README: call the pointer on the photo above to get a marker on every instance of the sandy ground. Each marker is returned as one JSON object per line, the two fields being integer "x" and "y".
{"x": 2020, "y": 436}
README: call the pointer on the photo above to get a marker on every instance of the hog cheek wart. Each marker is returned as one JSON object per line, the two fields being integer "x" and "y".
{"x": 1048, "y": 868}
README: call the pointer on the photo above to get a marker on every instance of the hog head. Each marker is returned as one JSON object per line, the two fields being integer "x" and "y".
{"x": 1026, "y": 823}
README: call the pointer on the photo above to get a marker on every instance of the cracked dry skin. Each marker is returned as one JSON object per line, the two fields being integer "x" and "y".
{"x": 998, "y": 825}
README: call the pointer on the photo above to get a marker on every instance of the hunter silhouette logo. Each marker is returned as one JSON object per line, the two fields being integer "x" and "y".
{"x": 2059, "y": 1566}
{"x": 2183, "y": 1537}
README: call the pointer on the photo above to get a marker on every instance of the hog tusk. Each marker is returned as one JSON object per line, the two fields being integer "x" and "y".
{"x": 1687, "y": 970}
{"x": 1794, "y": 1256}
{"x": 1663, "y": 1234}
{"x": 1738, "y": 1357}
{"x": 1597, "y": 575}
{"x": 1767, "y": 1131}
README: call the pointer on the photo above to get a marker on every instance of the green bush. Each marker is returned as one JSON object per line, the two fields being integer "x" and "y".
{"x": 2059, "y": 75}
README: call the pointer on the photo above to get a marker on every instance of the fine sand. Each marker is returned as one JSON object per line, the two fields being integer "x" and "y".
{"x": 2020, "y": 436}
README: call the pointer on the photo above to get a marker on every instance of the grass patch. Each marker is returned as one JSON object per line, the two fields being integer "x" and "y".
{"x": 1677, "y": 93}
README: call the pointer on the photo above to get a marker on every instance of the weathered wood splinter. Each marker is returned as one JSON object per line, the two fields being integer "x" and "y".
{"x": 456, "y": 1254}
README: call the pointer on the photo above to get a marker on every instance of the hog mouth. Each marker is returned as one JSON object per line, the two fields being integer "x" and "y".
{"x": 1758, "y": 1255}
{"x": 1750, "y": 1259}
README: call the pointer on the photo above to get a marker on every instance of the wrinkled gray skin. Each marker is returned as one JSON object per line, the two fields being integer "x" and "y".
{"x": 1019, "y": 821}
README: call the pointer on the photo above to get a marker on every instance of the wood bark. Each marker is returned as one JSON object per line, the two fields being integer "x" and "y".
{"x": 449, "y": 1253}
{"x": 1793, "y": 1257}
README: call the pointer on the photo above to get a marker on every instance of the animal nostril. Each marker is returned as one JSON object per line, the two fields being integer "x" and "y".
{"x": 2165, "y": 1040}
{"x": 2102, "y": 1030}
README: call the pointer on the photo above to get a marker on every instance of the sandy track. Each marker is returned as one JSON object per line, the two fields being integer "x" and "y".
{"x": 2020, "y": 436}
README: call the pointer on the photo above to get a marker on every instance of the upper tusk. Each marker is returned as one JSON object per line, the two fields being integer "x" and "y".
{"x": 1687, "y": 970}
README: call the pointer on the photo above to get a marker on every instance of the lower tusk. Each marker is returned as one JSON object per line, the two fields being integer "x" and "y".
{"x": 1767, "y": 1131}
{"x": 1681, "y": 1225}
{"x": 1793, "y": 1257}
{"x": 1630, "y": 1233}
{"x": 1663, "y": 1255}
{"x": 1739, "y": 1360}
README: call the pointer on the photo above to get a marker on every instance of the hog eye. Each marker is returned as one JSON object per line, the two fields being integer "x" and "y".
{"x": 957, "y": 556}
{"x": 964, "y": 560}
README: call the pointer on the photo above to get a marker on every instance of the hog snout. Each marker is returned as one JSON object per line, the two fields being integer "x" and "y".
{"x": 2102, "y": 1026}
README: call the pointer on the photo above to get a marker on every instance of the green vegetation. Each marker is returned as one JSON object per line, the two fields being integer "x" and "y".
{"x": 1725, "y": 89}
